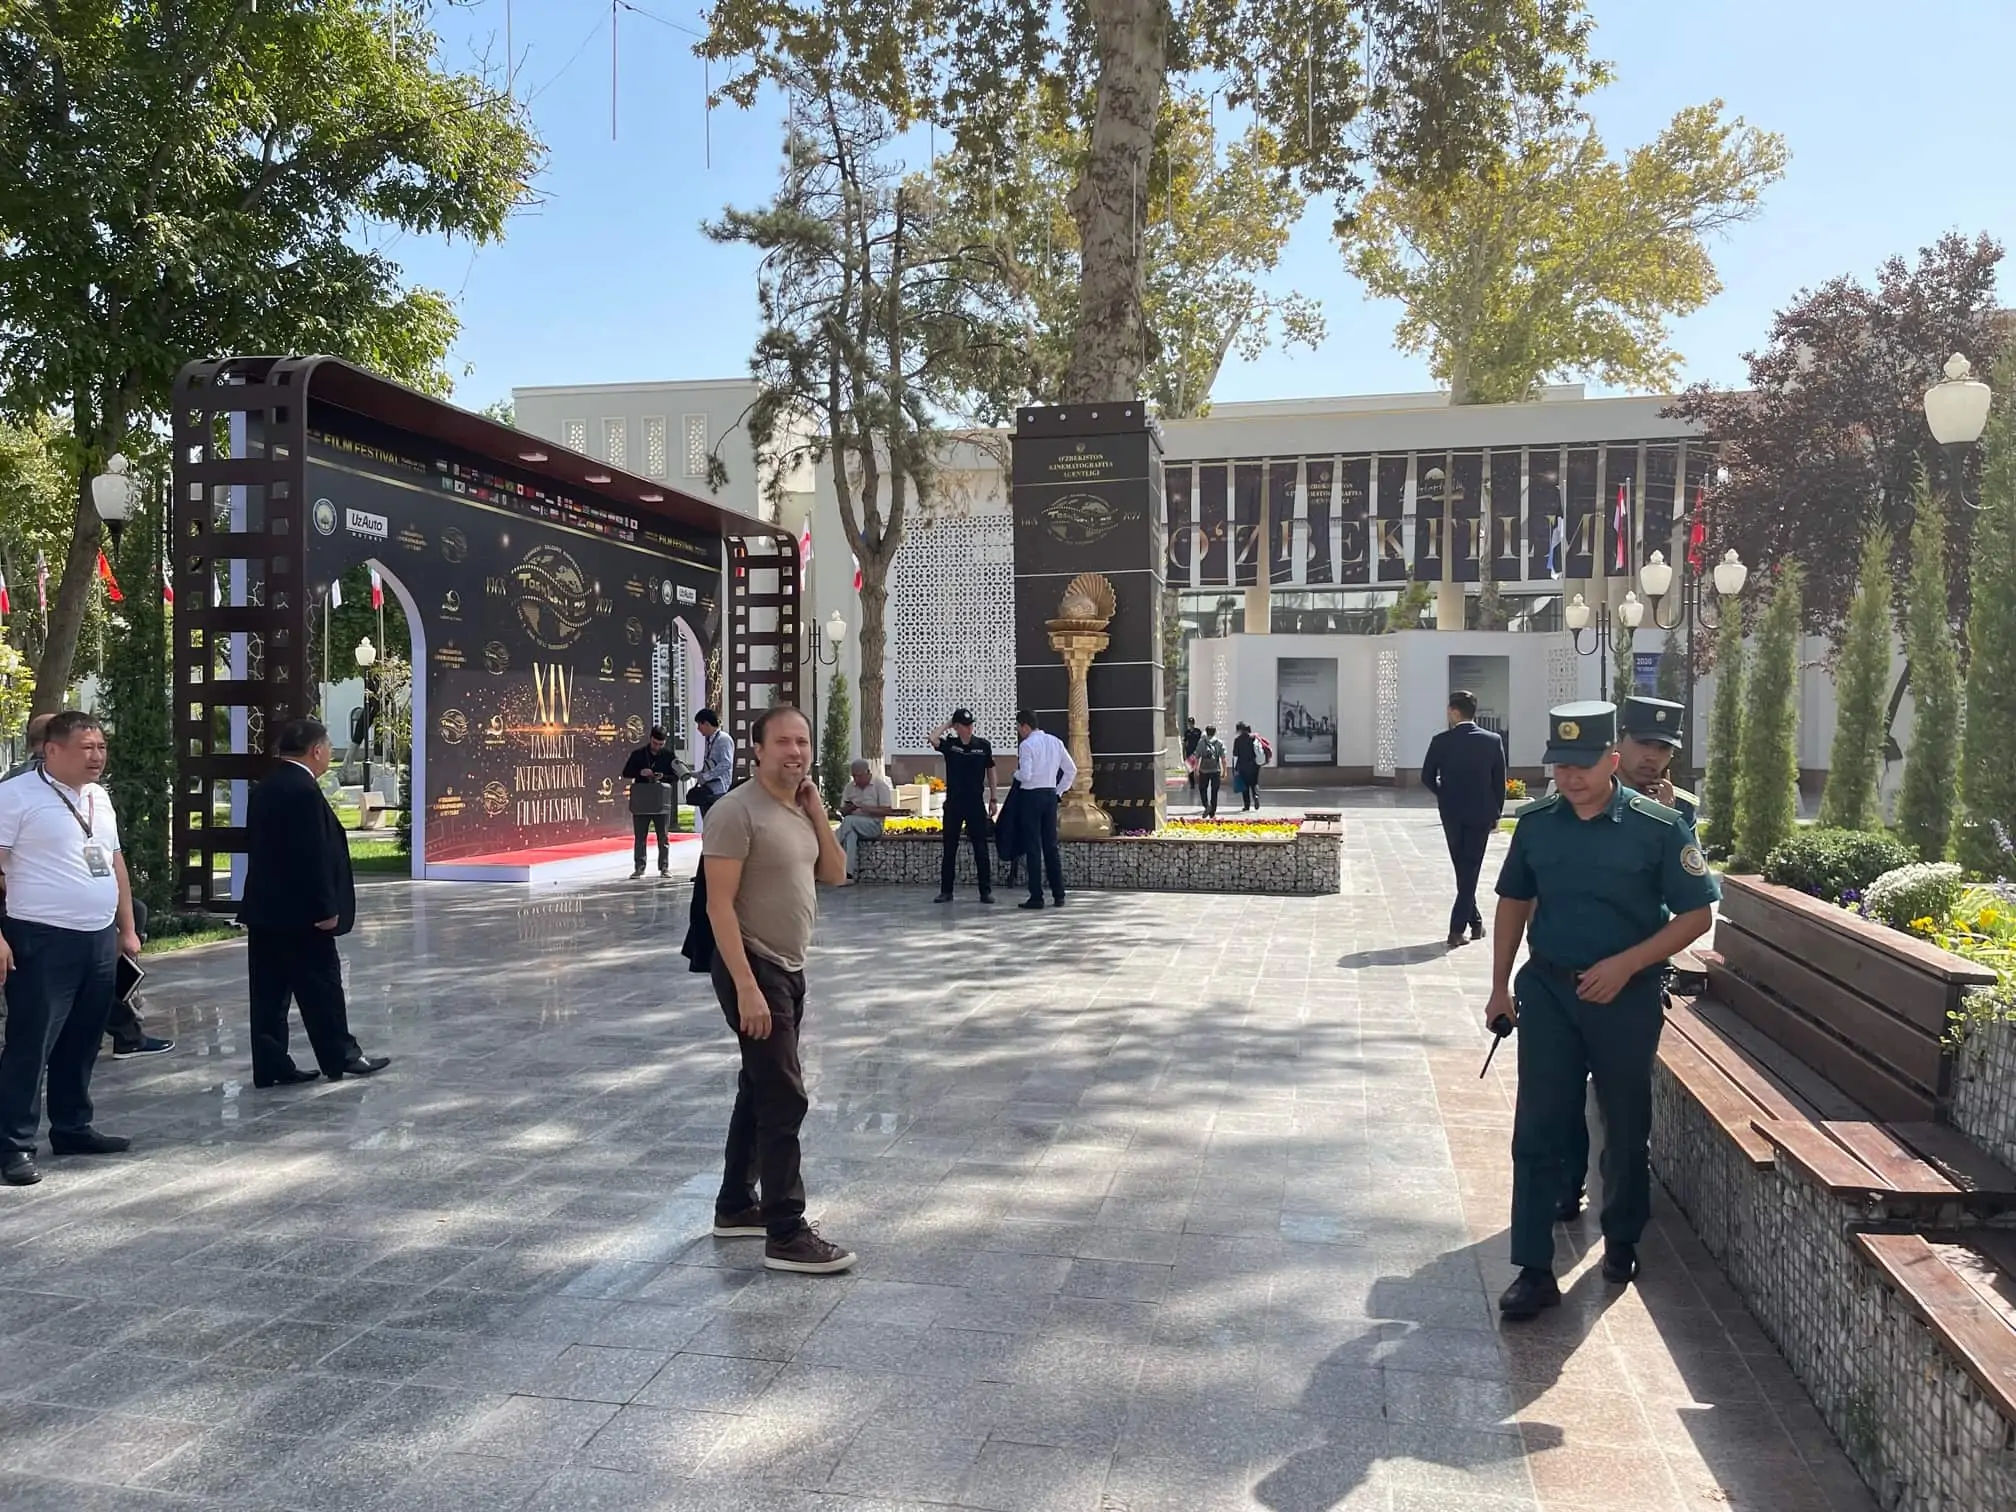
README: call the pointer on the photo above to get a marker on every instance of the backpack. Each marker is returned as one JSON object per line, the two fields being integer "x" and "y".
{"x": 1210, "y": 754}
{"x": 1264, "y": 749}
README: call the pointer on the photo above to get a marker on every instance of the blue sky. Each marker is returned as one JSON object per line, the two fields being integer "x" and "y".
{"x": 1895, "y": 116}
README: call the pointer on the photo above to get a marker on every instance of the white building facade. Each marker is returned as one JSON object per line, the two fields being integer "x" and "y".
{"x": 1290, "y": 529}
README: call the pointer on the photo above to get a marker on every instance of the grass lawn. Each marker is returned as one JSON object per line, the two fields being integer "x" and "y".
{"x": 188, "y": 940}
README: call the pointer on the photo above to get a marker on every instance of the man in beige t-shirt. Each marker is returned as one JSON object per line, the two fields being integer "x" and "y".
{"x": 766, "y": 844}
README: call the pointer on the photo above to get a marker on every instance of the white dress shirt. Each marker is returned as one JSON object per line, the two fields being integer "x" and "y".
{"x": 48, "y": 881}
{"x": 1044, "y": 763}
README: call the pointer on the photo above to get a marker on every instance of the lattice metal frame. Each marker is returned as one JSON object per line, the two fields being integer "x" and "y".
{"x": 1564, "y": 674}
{"x": 952, "y": 627}
{"x": 763, "y": 635}
{"x": 1386, "y": 714}
{"x": 236, "y": 529}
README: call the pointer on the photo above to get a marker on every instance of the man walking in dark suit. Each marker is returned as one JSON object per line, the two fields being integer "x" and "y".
{"x": 299, "y": 897}
{"x": 1465, "y": 766}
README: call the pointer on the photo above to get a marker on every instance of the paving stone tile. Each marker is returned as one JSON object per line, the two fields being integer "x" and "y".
{"x": 544, "y": 1429}
{"x": 709, "y": 1383}
{"x": 923, "y": 1463}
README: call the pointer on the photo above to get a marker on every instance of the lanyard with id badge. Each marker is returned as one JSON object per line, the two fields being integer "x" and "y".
{"x": 96, "y": 861}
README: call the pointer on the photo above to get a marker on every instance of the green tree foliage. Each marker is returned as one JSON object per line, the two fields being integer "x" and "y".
{"x": 136, "y": 694}
{"x": 1986, "y": 841}
{"x": 1623, "y": 666}
{"x": 1767, "y": 773}
{"x": 1343, "y": 87}
{"x": 1669, "y": 681}
{"x": 1832, "y": 419}
{"x": 1409, "y": 604}
{"x": 1552, "y": 258}
{"x": 874, "y": 312}
{"x": 36, "y": 508}
{"x": 1861, "y": 679}
{"x": 188, "y": 179}
{"x": 1215, "y": 220}
{"x": 1925, "y": 802}
{"x": 1725, "y": 735}
{"x": 833, "y": 757}
{"x": 17, "y": 692}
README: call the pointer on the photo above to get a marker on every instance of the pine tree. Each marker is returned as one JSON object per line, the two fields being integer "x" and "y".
{"x": 136, "y": 709}
{"x": 1767, "y": 775}
{"x": 833, "y": 758}
{"x": 1987, "y": 778}
{"x": 1725, "y": 734}
{"x": 1861, "y": 678}
{"x": 1670, "y": 680}
{"x": 1926, "y": 801}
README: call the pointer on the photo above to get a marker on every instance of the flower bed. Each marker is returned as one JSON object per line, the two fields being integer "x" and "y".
{"x": 1296, "y": 857}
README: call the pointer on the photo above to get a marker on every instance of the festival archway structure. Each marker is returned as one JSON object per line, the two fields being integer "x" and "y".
{"x": 558, "y": 607}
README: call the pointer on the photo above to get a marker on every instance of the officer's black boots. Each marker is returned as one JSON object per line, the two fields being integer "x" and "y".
{"x": 1526, "y": 1297}
{"x": 1620, "y": 1262}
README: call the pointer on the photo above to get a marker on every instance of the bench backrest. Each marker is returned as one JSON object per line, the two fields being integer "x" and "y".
{"x": 1861, "y": 1003}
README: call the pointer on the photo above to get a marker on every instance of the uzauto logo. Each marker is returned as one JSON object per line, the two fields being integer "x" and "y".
{"x": 362, "y": 522}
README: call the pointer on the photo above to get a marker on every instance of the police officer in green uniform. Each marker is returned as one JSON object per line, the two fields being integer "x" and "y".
{"x": 1609, "y": 884}
{"x": 1645, "y": 754}
{"x": 1651, "y": 737}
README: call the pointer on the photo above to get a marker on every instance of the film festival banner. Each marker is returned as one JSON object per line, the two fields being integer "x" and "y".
{"x": 538, "y": 614}
{"x": 1305, "y": 710}
{"x": 1581, "y": 506}
{"x": 1431, "y": 502}
{"x": 1248, "y": 486}
{"x": 1466, "y": 510}
{"x": 1287, "y": 537}
{"x": 1184, "y": 548}
{"x": 1214, "y": 523}
{"x": 1544, "y": 510}
{"x": 1354, "y": 523}
{"x": 1662, "y": 482}
{"x": 1389, "y": 521}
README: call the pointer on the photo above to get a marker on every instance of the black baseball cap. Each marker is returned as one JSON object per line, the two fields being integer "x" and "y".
{"x": 962, "y": 716}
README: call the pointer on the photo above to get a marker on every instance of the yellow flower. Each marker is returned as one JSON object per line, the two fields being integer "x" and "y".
{"x": 1985, "y": 920}
{"x": 1921, "y": 926}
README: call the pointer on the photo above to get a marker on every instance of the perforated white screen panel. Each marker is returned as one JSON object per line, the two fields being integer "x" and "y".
{"x": 952, "y": 629}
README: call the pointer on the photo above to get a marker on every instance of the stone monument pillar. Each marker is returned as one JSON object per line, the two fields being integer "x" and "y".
{"x": 1086, "y": 494}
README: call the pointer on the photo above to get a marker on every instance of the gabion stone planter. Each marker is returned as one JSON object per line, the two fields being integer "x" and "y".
{"x": 1305, "y": 864}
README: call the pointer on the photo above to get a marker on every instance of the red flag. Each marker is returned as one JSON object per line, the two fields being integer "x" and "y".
{"x": 1697, "y": 533}
{"x": 6, "y": 604}
{"x": 42, "y": 580}
{"x": 377, "y": 591}
{"x": 111, "y": 583}
{"x": 1620, "y": 527}
{"x": 805, "y": 546}
{"x": 857, "y": 571}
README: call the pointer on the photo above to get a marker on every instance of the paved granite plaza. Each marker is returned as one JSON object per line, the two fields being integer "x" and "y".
{"x": 1164, "y": 1203}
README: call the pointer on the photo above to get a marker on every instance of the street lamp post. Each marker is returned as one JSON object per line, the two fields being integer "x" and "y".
{"x": 367, "y": 657}
{"x": 1695, "y": 608}
{"x": 822, "y": 650}
{"x": 112, "y": 496}
{"x": 1956, "y": 409}
{"x": 1577, "y": 616}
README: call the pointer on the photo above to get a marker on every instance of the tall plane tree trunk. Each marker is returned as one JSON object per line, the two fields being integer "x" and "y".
{"x": 1109, "y": 347}
{"x": 80, "y": 565}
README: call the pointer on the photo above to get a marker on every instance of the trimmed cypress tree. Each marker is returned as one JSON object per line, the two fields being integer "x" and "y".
{"x": 1987, "y": 779}
{"x": 1725, "y": 735}
{"x": 833, "y": 758}
{"x": 1767, "y": 773}
{"x": 136, "y": 707}
{"x": 1861, "y": 678}
{"x": 1925, "y": 803}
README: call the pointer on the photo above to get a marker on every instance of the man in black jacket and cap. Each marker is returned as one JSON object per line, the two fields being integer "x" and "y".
{"x": 299, "y": 897}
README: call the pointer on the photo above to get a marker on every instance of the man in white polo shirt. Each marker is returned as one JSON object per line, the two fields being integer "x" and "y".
{"x": 69, "y": 915}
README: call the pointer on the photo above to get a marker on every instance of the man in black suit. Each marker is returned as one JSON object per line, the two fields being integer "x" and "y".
{"x": 299, "y": 897}
{"x": 1465, "y": 766}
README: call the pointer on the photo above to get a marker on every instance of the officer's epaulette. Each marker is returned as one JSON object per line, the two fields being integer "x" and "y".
{"x": 1536, "y": 805}
{"x": 1655, "y": 810}
{"x": 1683, "y": 793}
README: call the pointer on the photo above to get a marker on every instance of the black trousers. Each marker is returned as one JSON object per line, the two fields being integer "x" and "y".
{"x": 58, "y": 996}
{"x": 642, "y": 824}
{"x": 770, "y": 1101}
{"x": 974, "y": 823}
{"x": 1466, "y": 853}
{"x": 302, "y": 965}
{"x": 1039, "y": 840}
{"x": 1207, "y": 792}
{"x": 1249, "y": 789}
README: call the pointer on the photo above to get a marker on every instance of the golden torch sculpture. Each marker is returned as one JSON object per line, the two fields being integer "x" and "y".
{"x": 1078, "y": 634}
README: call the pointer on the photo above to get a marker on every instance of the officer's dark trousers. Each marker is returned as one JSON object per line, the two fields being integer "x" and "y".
{"x": 1466, "y": 854}
{"x": 1562, "y": 1041}
{"x": 974, "y": 822}
{"x": 1039, "y": 842}
{"x": 58, "y": 995}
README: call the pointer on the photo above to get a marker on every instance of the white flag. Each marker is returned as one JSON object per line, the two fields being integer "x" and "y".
{"x": 335, "y": 593}
{"x": 1557, "y": 547}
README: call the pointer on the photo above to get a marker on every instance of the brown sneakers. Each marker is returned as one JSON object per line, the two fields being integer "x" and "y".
{"x": 747, "y": 1224}
{"x": 808, "y": 1254}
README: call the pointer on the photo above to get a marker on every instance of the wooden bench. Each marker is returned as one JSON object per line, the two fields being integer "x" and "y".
{"x": 1841, "y": 1201}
